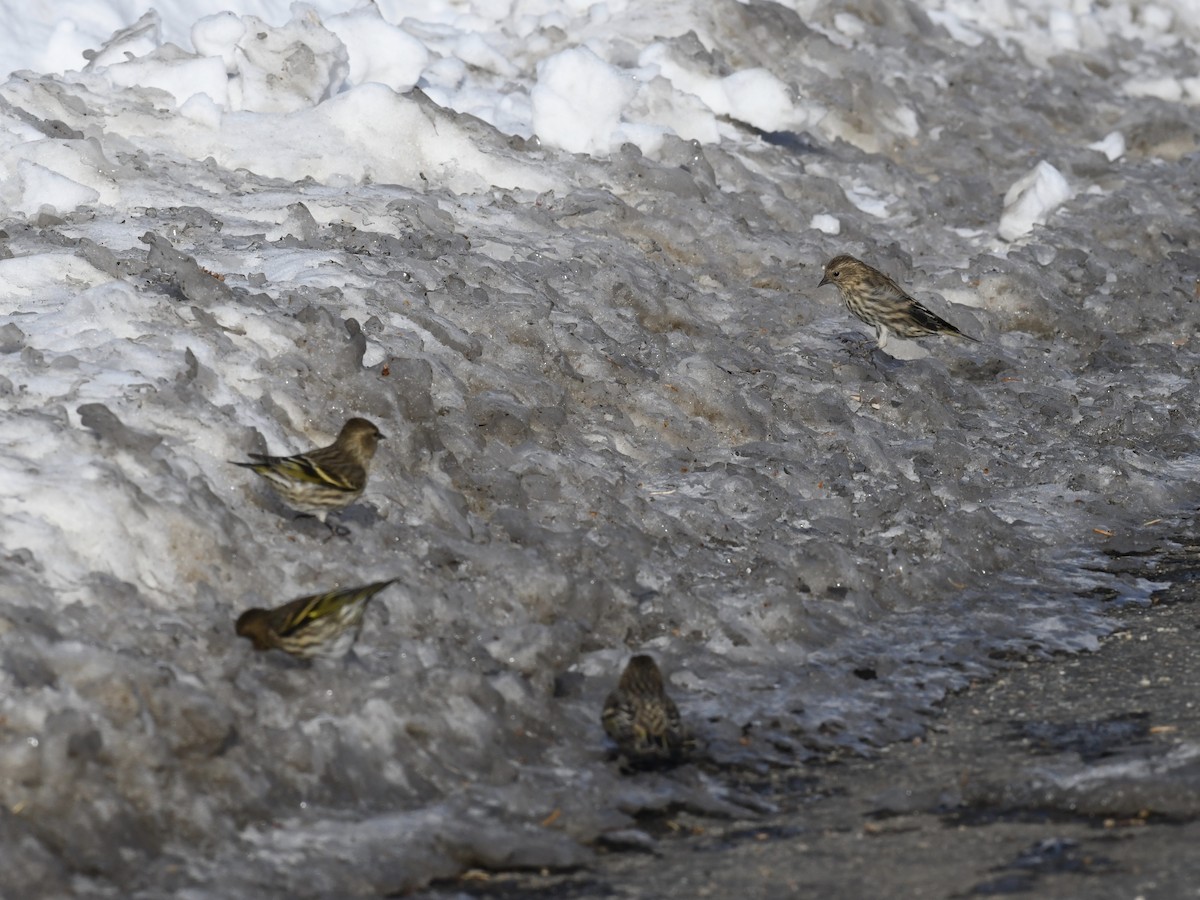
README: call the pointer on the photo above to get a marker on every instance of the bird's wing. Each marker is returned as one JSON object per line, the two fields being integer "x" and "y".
{"x": 931, "y": 320}
{"x": 616, "y": 717}
{"x": 304, "y": 468}
{"x": 261, "y": 461}
{"x": 295, "y": 616}
{"x": 300, "y": 613}
{"x": 923, "y": 316}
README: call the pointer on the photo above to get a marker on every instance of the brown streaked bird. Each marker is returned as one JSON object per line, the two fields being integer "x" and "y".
{"x": 881, "y": 303}
{"x": 322, "y": 625}
{"x": 642, "y": 720}
{"x": 322, "y": 481}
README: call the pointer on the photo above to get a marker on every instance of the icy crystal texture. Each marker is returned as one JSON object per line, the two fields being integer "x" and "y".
{"x": 621, "y": 417}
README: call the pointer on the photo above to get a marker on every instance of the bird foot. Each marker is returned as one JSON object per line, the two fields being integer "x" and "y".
{"x": 336, "y": 531}
{"x": 859, "y": 346}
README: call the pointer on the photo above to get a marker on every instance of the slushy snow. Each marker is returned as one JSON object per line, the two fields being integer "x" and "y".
{"x": 567, "y": 256}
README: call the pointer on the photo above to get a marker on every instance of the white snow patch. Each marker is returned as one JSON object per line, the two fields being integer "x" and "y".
{"x": 826, "y": 224}
{"x": 1111, "y": 145}
{"x": 1032, "y": 199}
{"x": 578, "y": 101}
{"x": 1165, "y": 88}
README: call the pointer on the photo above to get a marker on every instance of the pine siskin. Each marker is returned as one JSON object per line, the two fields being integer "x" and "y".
{"x": 642, "y": 719}
{"x": 323, "y": 625}
{"x": 880, "y": 302}
{"x": 322, "y": 481}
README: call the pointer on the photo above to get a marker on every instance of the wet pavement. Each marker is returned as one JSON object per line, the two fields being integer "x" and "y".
{"x": 1073, "y": 776}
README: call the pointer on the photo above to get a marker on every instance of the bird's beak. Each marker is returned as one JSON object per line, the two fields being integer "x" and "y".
{"x": 824, "y": 281}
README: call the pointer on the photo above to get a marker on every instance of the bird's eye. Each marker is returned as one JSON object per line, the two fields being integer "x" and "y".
{"x": 837, "y": 273}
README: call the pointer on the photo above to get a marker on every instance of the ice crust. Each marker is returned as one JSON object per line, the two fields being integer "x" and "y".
{"x": 621, "y": 416}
